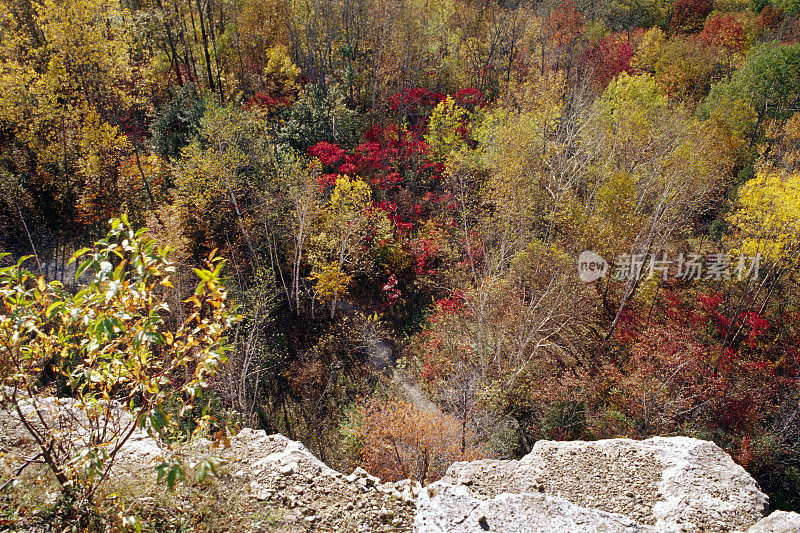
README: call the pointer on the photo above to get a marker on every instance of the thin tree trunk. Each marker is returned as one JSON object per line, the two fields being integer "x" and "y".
{"x": 205, "y": 46}
{"x": 171, "y": 41}
{"x": 210, "y": 12}
{"x": 30, "y": 240}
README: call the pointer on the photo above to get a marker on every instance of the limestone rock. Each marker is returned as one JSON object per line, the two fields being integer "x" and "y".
{"x": 777, "y": 522}
{"x": 445, "y": 508}
{"x": 674, "y": 484}
{"x": 285, "y": 475}
{"x": 67, "y": 416}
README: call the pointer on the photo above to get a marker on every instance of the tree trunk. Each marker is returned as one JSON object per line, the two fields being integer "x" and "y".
{"x": 205, "y": 47}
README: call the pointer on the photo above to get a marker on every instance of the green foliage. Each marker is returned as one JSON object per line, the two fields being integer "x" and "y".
{"x": 636, "y": 97}
{"x": 565, "y": 420}
{"x": 222, "y": 171}
{"x": 766, "y": 87}
{"x": 775, "y": 458}
{"x": 177, "y": 122}
{"x": 622, "y": 15}
{"x": 352, "y": 421}
{"x": 170, "y": 473}
{"x": 791, "y": 8}
{"x": 658, "y": 169}
{"x": 319, "y": 116}
{"x": 757, "y": 6}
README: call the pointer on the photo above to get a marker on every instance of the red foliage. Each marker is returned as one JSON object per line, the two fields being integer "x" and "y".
{"x": 267, "y": 101}
{"x": 453, "y": 304}
{"x": 330, "y": 155}
{"x": 426, "y": 249}
{"x": 756, "y": 326}
{"x": 414, "y": 98}
{"x": 709, "y": 311}
{"x": 668, "y": 374}
{"x": 564, "y": 24}
{"x": 415, "y": 105}
{"x": 376, "y": 162}
{"x": 390, "y": 289}
{"x": 769, "y": 18}
{"x": 611, "y": 56}
{"x": 402, "y": 440}
{"x": 390, "y": 163}
{"x": 390, "y": 208}
{"x": 469, "y": 98}
{"x": 745, "y": 455}
{"x": 327, "y": 180}
{"x": 627, "y": 326}
{"x": 725, "y": 32}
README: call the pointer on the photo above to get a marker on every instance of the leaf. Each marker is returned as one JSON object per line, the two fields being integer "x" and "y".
{"x": 83, "y": 266}
{"x": 171, "y": 473}
{"x": 78, "y": 254}
{"x": 204, "y": 469}
{"x": 221, "y": 439}
{"x": 118, "y": 272}
{"x": 52, "y": 308}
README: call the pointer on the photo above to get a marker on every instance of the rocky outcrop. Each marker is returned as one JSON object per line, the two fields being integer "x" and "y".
{"x": 282, "y": 473}
{"x": 445, "y": 508}
{"x": 675, "y": 484}
{"x": 777, "y": 522}
{"x": 67, "y": 420}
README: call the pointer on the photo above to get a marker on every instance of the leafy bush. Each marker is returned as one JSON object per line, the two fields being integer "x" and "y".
{"x": 177, "y": 122}
{"x": 114, "y": 344}
{"x": 402, "y": 440}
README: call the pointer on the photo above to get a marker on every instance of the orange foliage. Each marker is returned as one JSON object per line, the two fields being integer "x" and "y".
{"x": 565, "y": 24}
{"x": 401, "y": 440}
{"x": 725, "y": 32}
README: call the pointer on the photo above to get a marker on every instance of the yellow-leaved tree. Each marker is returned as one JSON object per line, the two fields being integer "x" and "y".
{"x": 349, "y": 220}
{"x": 768, "y": 216}
{"x": 445, "y": 128}
{"x": 652, "y": 173}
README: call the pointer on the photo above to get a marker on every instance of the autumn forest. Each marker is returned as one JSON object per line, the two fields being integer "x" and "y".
{"x": 396, "y": 194}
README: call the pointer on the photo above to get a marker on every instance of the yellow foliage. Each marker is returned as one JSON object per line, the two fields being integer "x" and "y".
{"x": 262, "y": 24}
{"x": 768, "y": 216}
{"x": 280, "y": 74}
{"x": 444, "y": 129}
{"x": 637, "y": 98}
{"x": 507, "y": 141}
{"x": 538, "y": 93}
{"x": 349, "y": 197}
{"x": 650, "y": 50}
{"x": 792, "y": 128}
{"x": 338, "y": 245}
{"x": 53, "y": 89}
{"x": 329, "y": 281}
{"x": 656, "y": 165}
